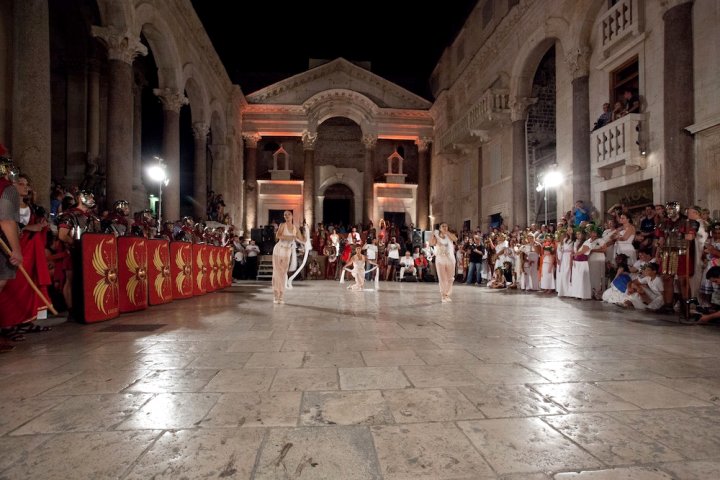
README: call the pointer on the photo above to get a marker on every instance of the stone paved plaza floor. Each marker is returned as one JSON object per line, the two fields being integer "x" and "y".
{"x": 347, "y": 385}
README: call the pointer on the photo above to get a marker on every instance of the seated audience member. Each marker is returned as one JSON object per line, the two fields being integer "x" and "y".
{"x": 604, "y": 118}
{"x": 421, "y": 265}
{"x": 498, "y": 279}
{"x": 615, "y": 293}
{"x": 713, "y": 275}
{"x": 407, "y": 265}
{"x": 645, "y": 292}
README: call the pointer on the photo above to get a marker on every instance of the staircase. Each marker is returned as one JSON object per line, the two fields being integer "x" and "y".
{"x": 265, "y": 268}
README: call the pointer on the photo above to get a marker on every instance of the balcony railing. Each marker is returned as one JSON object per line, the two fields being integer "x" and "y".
{"x": 621, "y": 20}
{"x": 491, "y": 109}
{"x": 618, "y": 144}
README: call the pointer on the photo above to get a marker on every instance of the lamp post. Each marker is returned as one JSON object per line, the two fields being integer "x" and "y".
{"x": 549, "y": 179}
{"x": 158, "y": 173}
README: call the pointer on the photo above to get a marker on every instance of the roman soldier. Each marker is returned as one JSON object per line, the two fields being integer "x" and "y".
{"x": 676, "y": 252}
{"x": 117, "y": 222}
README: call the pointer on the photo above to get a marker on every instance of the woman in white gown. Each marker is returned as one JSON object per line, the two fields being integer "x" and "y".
{"x": 596, "y": 262}
{"x": 357, "y": 262}
{"x": 624, "y": 239}
{"x": 286, "y": 235}
{"x": 547, "y": 265}
{"x": 564, "y": 252}
{"x": 443, "y": 240}
{"x": 580, "y": 286}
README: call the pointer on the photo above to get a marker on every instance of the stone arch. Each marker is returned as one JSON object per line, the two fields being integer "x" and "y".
{"x": 583, "y": 21}
{"x": 162, "y": 42}
{"x": 338, "y": 179}
{"x": 341, "y": 103}
{"x": 553, "y": 32}
{"x": 195, "y": 90}
{"x": 217, "y": 121}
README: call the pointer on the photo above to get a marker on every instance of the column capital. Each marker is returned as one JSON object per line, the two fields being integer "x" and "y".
{"x": 200, "y": 130}
{"x": 369, "y": 141}
{"x": 172, "y": 100}
{"x": 251, "y": 139}
{"x": 120, "y": 44}
{"x": 578, "y": 62}
{"x": 423, "y": 143}
{"x": 519, "y": 107}
{"x": 309, "y": 139}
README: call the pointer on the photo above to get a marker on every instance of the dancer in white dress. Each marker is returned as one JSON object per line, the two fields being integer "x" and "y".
{"x": 443, "y": 240}
{"x": 624, "y": 238}
{"x": 596, "y": 262}
{"x": 565, "y": 252}
{"x": 547, "y": 267}
{"x": 286, "y": 235}
{"x": 580, "y": 286}
{"x": 357, "y": 262}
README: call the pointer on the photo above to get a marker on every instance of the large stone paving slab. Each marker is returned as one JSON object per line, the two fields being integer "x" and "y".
{"x": 339, "y": 385}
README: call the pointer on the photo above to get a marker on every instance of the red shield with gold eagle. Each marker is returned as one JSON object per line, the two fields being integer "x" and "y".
{"x": 200, "y": 267}
{"x": 101, "y": 296}
{"x": 212, "y": 268}
{"x": 159, "y": 279}
{"x": 181, "y": 269}
{"x": 132, "y": 273}
{"x": 228, "y": 266}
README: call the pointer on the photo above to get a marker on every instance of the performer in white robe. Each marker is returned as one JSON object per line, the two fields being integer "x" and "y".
{"x": 565, "y": 252}
{"x": 443, "y": 240}
{"x": 596, "y": 262}
{"x": 285, "y": 235}
{"x": 580, "y": 286}
{"x": 357, "y": 262}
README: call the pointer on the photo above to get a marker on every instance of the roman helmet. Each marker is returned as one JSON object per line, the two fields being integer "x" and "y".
{"x": 122, "y": 207}
{"x": 8, "y": 168}
{"x": 86, "y": 198}
{"x": 672, "y": 209}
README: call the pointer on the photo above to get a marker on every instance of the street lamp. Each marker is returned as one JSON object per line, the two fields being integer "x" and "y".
{"x": 549, "y": 179}
{"x": 158, "y": 173}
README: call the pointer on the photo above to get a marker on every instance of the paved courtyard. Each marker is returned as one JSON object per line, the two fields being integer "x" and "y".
{"x": 345, "y": 385}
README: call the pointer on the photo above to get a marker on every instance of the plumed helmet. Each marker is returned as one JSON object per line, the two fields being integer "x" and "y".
{"x": 122, "y": 207}
{"x": 8, "y": 168}
{"x": 672, "y": 209}
{"x": 86, "y": 198}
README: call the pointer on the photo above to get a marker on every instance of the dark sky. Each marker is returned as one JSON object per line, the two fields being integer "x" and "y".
{"x": 261, "y": 42}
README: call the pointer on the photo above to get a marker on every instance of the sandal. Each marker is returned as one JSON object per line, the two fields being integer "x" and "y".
{"x": 12, "y": 335}
{"x": 30, "y": 327}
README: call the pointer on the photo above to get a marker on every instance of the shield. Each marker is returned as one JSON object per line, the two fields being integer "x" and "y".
{"x": 199, "y": 258}
{"x": 132, "y": 273}
{"x": 101, "y": 295}
{"x": 181, "y": 270}
{"x": 159, "y": 281}
{"x": 212, "y": 268}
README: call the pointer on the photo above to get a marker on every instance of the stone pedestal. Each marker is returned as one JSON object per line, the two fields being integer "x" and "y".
{"x": 31, "y": 129}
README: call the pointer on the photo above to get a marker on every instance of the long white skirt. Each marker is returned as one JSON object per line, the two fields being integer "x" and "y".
{"x": 580, "y": 286}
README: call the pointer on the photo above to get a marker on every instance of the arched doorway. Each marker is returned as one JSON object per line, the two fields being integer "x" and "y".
{"x": 338, "y": 205}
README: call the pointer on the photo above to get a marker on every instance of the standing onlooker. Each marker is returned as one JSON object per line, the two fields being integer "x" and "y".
{"x": 604, "y": 118}
{"x": 251, "y": 260}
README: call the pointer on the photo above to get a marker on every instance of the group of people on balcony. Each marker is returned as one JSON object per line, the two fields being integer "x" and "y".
{"x": 629, "y": 103}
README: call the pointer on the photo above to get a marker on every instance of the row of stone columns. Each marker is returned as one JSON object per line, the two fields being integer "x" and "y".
{"x": 309, "y": 140}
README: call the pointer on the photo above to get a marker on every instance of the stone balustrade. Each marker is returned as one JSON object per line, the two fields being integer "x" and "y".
{"x": 618, "y": 144}
{"x": 620, "y": 21}
{"x": 492, "y": 108}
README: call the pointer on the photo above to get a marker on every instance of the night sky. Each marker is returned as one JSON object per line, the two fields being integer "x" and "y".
{"x": 261, "y": 43}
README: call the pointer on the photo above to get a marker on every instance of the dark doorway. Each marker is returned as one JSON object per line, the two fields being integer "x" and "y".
{"x": 278, "y": 216}
{"x": 338, "y": 205}
{"x": 398, "y": 218}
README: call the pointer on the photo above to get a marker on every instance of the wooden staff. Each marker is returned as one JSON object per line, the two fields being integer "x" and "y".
{"x": 47, "y": 302}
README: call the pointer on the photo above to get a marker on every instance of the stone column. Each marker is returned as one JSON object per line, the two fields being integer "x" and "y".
{"x": 480, "y": 217}
{"x": 139, "y": 200}
{"x": 577, "y": 62}
{"x": 370, "y": 141}
{"x": 423, "y": 199}
{"x": 122, "y": 47}
{"x": 172, "y": 101}
{"x": 518, "y": 115}
{"x": 309, "y": 139}
{"x": 200, "y": 133}
{"x": 678, "y": 108}
{"x": 251, "y": 141}
{"x": 93, "y": 115}
{"x": 31, "y": 128}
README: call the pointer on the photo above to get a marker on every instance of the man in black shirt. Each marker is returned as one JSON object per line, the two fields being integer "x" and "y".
{"x": 475, "y": 261}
